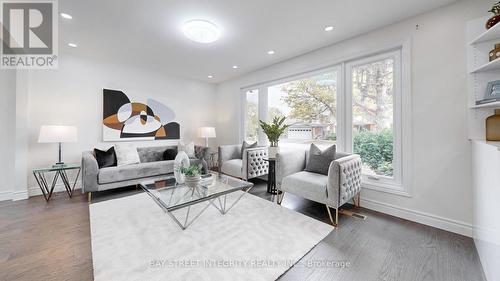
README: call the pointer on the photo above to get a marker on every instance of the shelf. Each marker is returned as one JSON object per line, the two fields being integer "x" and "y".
{"x": 493, "y": 65}
{"x": 490, "y": 34}
{"x": 490, "y": 105}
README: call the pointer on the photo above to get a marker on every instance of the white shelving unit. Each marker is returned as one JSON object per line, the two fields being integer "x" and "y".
{"x": 490, "y": 66}
{"x": 487, "y": 105}
{"x": 481, "y": 71}
{"x": 488, "y": 35}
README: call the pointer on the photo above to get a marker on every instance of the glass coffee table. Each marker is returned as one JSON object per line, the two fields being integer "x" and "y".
{"x": 171, "y": 196}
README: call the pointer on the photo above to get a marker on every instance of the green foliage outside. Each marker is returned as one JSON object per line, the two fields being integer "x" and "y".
{"x": 376, "y": 150}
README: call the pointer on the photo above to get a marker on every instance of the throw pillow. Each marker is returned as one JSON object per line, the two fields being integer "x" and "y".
{"x": 245, "y": 146}
{"x": 188, "y": 148}
{"x": 169, "y": 154}
{"x": 319, "y": 161}
{"x": 105, "y": 158}
{"x": 126, "y": 154}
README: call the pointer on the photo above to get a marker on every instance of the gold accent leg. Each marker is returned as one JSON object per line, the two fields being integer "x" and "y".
{"x": 357, "y": 202}
{"x": 337, "y": 217}
{"x": 89, "y": 197}
{"x": 336, "y": 222}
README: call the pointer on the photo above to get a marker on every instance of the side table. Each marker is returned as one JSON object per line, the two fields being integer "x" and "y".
{"x": 60, "y": 172}
{"x": 271, "y": 176}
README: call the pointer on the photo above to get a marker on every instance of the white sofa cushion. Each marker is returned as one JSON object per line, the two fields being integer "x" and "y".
{"x": 137, "y": 171}
{"x": 126, "y": 154}
{"x": 233, "y": 168}
{"x": 309, "y": 185}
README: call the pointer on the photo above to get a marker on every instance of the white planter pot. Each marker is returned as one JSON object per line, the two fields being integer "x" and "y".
{"x": 272, "y": 151}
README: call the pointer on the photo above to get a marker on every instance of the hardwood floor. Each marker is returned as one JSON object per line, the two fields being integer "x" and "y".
{"x": 40, "y": 241}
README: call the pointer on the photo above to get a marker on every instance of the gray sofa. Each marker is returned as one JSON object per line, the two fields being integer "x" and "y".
{"x": 342, "y": 184}
{"x": 247, "y": 165}
{"x": 152, "y": 167}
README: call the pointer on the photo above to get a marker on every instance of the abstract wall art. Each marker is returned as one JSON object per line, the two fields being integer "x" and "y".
{"x": 125, "y": 120}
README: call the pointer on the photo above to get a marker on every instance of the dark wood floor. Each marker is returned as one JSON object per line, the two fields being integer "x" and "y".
{"x": 40, "y": 241}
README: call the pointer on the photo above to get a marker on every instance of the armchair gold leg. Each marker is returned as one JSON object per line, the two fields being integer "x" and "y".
{"x": 89, "y": 197}
{"x": 336, "y": 221}
{"x": 358, "y": 200}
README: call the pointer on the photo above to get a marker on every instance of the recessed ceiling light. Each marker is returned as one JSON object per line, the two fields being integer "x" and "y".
{"x": 270, "y": 52}
{"x": 210, "y": 76}
{"x": 329, "y": 28}
{"x": 72, "y": 45}
{"x": 235, "y": 66}
{"x": 201, "y": 31}
{"x": 66, "y": 16}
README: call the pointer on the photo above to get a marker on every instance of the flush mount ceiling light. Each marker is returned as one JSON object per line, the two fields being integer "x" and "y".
{"x": 235, "y": 66}
{"x": 201, "y": 31}
{"x": 66, "y": 16}
{"x": 270, "y": 52}
{"x": 72, "y": 45}
{"x": 329, "y": 28}
{"x": 210, "y": 76}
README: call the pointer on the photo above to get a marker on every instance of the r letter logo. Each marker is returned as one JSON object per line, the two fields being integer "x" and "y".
{"x": 29, "y": 35}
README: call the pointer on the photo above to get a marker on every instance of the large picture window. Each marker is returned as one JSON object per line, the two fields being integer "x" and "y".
{"x": 310, "y": 105}
{"x": 356, "y": 105}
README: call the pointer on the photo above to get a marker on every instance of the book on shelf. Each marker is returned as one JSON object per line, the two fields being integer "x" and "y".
{"x": 485, "y": 101}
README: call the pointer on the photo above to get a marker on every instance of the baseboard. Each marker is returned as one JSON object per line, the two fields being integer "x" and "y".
{"x": 5, "y": 195}
{"x": 420, "y": 217}
{"x": 35, "y": 190}
{"x": 19, "y": 195}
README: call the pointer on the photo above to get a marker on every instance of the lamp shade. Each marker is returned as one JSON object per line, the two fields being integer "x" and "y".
{"x": 206, "y": 132}
{"x": 57, "y": 134}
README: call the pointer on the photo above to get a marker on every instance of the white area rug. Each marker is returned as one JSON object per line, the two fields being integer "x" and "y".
{"x": 133, "y": 239}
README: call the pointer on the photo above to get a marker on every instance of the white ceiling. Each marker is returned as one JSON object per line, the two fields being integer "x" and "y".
{"x": 148, "y": 33}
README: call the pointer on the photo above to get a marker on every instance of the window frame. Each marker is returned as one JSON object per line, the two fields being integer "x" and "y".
{"x": 370, "y": 181}
{"x": 263, "y": 99}
{"x": 402, "y": 110}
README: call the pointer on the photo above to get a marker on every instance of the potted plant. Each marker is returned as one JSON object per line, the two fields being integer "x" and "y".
{"x": 192, "y": 175}
{"x": 496, "y": 16}
{"x": 273, "y": 131}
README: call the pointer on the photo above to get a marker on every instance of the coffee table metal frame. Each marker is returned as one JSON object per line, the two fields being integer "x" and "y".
{"x": 185, "y": 222}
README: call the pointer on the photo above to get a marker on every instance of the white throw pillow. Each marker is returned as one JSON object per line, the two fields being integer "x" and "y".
{"x": 188, "y": 148}
{"x": 126, "y": 154}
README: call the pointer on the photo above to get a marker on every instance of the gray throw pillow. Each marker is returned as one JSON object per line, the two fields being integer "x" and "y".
{"x": 319, "y": 161}
{"x": 246, "y": 145}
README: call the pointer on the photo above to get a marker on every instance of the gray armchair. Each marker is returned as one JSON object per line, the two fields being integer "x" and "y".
{"x": 342, "y": 184}
{"x": 246, "y": 165}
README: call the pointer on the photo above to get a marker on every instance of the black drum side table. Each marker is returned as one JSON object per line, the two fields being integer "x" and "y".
{"x": 271, "y": 176}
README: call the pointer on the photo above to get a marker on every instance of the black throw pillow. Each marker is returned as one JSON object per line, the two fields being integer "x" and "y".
{"x": 105, "y": 158}
{"x": 169, "y": 154}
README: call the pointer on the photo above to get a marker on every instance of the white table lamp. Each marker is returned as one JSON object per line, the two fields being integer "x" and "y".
{"x": 58, "y": 134}
{"x": 206, "y": 132}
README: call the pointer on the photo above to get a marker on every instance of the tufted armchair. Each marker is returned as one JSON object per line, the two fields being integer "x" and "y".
{"x": 246, "y": 165}
{"x": 342, "y": 184}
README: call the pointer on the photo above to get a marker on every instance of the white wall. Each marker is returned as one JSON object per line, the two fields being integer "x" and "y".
{"x": 7, "y": 129}
{"x": 441, "y": 185}
{"x": 72, "y": 95}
